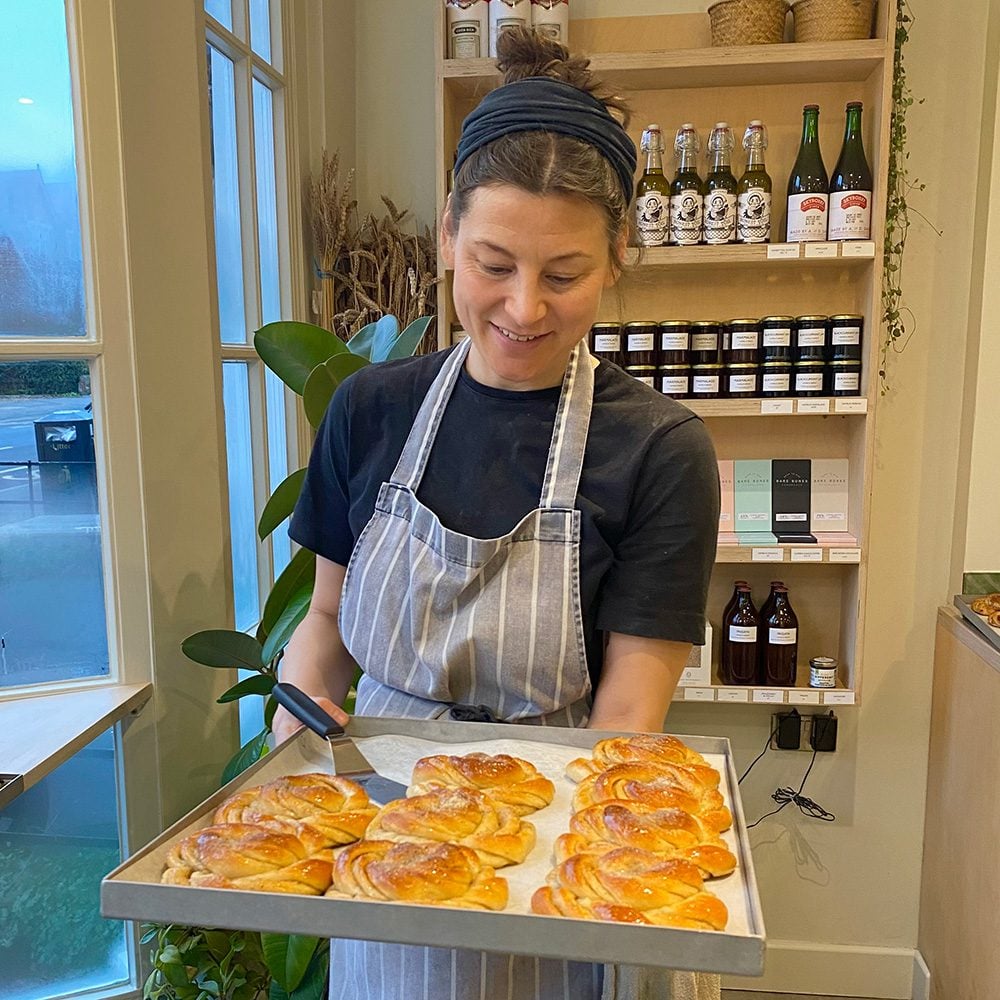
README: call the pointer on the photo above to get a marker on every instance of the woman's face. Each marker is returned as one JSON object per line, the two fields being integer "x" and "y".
{"x": 529, "y": 271}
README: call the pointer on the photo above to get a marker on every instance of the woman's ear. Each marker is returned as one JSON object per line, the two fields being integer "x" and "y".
{"x": 446, "y": 237}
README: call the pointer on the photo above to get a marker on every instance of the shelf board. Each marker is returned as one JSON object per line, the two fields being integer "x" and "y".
{"x": 726, "y": 694}
{"x": 843, "y": 406}
{"x": 836, "y": 555}
{"x": 735, "y": 66}
{"x": 858, "y": 254}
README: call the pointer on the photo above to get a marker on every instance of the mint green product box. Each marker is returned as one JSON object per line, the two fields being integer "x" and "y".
{"x": 752, "y": 501}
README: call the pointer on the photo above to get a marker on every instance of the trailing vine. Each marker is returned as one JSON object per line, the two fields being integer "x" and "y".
{"x": 897, "y": 330}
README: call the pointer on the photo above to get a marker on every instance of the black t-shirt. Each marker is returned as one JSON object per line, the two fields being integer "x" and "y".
{"x": 648, "y": 494}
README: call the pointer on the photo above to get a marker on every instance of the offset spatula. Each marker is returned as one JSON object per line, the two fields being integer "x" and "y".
{"x": 348, "y": 760}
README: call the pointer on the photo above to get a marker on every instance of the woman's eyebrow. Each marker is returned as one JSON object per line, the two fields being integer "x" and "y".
{"x": 496, "y": 248}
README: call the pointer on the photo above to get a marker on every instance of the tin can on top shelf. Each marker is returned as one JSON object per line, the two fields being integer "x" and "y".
{"x": 468, "y": 29}
{"x": 507, "y": 14}
{"x": 551, "y": 18}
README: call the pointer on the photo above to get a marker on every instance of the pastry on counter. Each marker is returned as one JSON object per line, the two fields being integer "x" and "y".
{"x": 671, "y": 833}
{"x": 432, "y": 873}
{"x": 642, "y": 748}
{"x": 268, "y": 858}
{"x": 662, "y": 786}
{"x": 994, "y": 619}
{"x": 631, "y": 886}
{"x": 457, "y": 816}
{"x": 988, "y": 604}
{"x": 511, "y": 780}
{"x": 334, "y": 809}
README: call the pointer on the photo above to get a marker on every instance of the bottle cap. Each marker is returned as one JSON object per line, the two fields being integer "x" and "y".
{"x": 854, "y": 104}
{"x": 653, "y": 127}
{"x": 810, "y": 107}
{"x": 722, "y": 124}
{"x": 756, "y": 123}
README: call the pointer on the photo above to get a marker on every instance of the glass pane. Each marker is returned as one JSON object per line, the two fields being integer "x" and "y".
{"x": 52, "y": 614}
{"x": 260, "y": 28}
{"x": 58, "y": 840}
{"x": 221, "y": 10}
{"x": 242, "y": 519}
{"x": 267, "y": 216}
{"x": 41, "y": 262}
{"x": 277, "y": 463}
{"x": 226, "y": 181}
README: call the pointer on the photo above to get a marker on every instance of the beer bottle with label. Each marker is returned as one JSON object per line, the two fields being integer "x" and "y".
{"x": 652, "y": 193}
{"x": 851, "y": 184}
{"x": 686, "y": 191}
{"x": 720, "y": 188}
{"x": 808, "y": 185}
{"x": 739, "y": 651}
{"x": 753, "y": 193}
{"x": 780, "y": 641}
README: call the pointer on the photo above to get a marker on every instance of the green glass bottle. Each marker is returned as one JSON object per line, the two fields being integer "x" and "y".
{"x": 652, "y": 193}
{"x": 851, "y": 184}
{"x": 720, "y": 188}
{"x": 808, "y": 185}
{"x": 686, "y": 190}
{"x": 753, "y": 193}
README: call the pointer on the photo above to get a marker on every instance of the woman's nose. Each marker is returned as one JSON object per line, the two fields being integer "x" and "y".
{"x": 526, "y": 304}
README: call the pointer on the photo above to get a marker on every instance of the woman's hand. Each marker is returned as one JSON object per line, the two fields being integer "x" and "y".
{"x": 285, "y": 724}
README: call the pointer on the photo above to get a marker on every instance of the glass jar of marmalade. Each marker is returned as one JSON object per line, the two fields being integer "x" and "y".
{"x": 675, "y": 380}
{"x": 705, "y": 343}
{"x": 845, "y": 336}
{"x": 810, "y": 377}
{"x": 606, "y": 342}
{"x": 706, "y": 381}
{"x": 744, "y": 341}
{"x": 776, "y": 338}
{"x": 742, "y": 380}
{"x": 844, "y": 378}
{"x": 810, "y": 338}
{"x": 775, "y": 379}
{"x": 675, "y": 341}
{"x": 640, "y": 345}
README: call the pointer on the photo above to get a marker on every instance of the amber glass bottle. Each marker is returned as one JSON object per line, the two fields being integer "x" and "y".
{"x": 780, "y": 639}
{"x": 739, "y": 652}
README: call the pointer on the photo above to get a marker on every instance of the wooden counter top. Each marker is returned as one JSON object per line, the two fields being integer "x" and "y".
{"x": 950, "y": 618}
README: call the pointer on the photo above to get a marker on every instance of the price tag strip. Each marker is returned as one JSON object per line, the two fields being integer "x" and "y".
{"x": 782, "y": 251}
{"x": 734, "y": 695}
{"x": 812, "y": 406}
{"x": 812, "y": 553}
{"x": 857, "y": 248}
{"x": 767, "y": 555}
{"x": 850, "y": 404}
{"x": 776, "y": 405}
{"x": 799, "y": 696}
{"x": 821, "y": 249}
{"x": 838, "y": 697}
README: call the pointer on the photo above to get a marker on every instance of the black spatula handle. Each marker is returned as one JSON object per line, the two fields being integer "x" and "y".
{"x": 306, "y": 710}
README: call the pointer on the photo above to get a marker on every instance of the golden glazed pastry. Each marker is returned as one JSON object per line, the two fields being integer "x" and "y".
{"x": 515, "y": 782}
{"x": 244, "y": 856}
{"x": 994, "y": 619}
{"x": 437, "y": 874}
{"x": 457, "y": 816}
{"x": 633, "y": 886}
{"x": 671, "y": 833}
{"x": 643, "y": 748}
{"x": 986, "y": 605}
{"x": 661, "y": 786}
{"x": 326, "y": 806}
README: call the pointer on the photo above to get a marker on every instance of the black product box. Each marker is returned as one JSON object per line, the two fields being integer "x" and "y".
{"x": 791, "y": 482}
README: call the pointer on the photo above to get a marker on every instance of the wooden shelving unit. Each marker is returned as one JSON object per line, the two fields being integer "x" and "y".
{"x": 678, "y": 78}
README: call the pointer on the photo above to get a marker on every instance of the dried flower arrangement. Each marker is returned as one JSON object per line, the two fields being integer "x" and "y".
{"x": 370, "y": 267}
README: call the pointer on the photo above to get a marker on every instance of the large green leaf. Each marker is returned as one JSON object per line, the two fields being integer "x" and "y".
{"x": 292, "y": 350}
{"x": 220, "y": 647}
{"x": 258, "y": 684}
{"x": 367, "y": 340}
{"x": 270, "y": 707}
{"x": 323, "y": 383}
{"x": 409, "y": 340}
{"x": 248, "y": 754}
{"x": 287, "y": 957}
{"x": 295, "y": 610}
{"x": 299, "y": 571}
{"x": 280, "y": 504}
{"x": 386, "y": 334}
{"x": 314, "y": 984}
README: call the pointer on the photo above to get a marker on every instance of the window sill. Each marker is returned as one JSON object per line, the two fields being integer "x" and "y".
{"x": 39, "y": 733}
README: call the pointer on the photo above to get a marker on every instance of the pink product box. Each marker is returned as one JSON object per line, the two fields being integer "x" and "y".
{"x": 727, "y": 507}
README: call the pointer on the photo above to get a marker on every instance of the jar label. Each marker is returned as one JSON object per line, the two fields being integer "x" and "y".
{"x": 611, "y": 342}
{"x": 720, "y": 217}
{"x": 673, "y": 341}
{"x": 705, "y": 383}
{"x": 846, "y": 381}
{"x": 745, "y": 340}
{"x": 685, "y": 217}
{"x": 808, "y": 382}
{"x": 845, "y": 335}
{"x": 782, "y": 636}
{"x": 742, "y": 633}
{"x": 850, "y": 215}
{"x": 674, "y": 383}
{"x": 704, "y": 341}
{"x": 777, "y": 337}
{"x": 753, "y": 216}
{"x": 742, "y": 383}
{"x": 807, "y": 217}
{"x": 466, "y": 38}
{"x": 776, "y": 383}
{"x": 642, "y": 341}
{"x": 646, "y": 380}
{"x": 822, "y": 677}
{"x": 812, "y": 336}
{"x": 652, "y": 218}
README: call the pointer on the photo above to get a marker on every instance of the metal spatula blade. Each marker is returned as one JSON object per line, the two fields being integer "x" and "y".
{"x": 348, "y": 760}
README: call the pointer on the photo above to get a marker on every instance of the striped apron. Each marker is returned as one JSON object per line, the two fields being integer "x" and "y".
{"x": 436, "y": 618}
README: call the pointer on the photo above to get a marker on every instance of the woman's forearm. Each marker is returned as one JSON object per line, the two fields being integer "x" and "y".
{"x": 316, "y": 659}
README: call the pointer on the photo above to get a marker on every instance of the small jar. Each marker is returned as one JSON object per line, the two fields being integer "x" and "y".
{"x": 776, "y": 338}
{"x": 639, "y": 343}
{"x": 810, "y": 378}
{"x": 643, "y": 373}
{"x": 775, "y": 379}
{"x": 823, "y": 672}
{"x": 606, "y": 342}
{"x": 675, "y": 380}
{"x": 844, "y": 378}
{"x": 742, "y": 380}
{"x": 846, "y": 332}
{"x": 810, "y": 338}
{"x": 675, "y": 341}
{"x": 705, "y": 343}
{"x": 744, "y": 341}
{"x": 706, "y": 381}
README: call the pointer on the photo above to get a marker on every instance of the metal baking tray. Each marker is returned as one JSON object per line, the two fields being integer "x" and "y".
{"x": 963, "y": 602}
{"x": 133, "y": 891}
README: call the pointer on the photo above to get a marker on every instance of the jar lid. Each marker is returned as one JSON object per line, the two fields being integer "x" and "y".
{"x": 707, "y": 322}
{"x": 823, "y": 662}
{"x": 606, "y": 326}
{"x": 850, "y": 317}
{"x": 810, "y": 363}
{"x": 641, "y": 322}
{"x": 664, "y": 368}
{"x": 744, "y": 322}
{"x": 811, "y": 319}
{"x": 674, "y": 322}
{"x": 777, "y": 363}
{"x": 640, "y": 368}
{"x": 712, "y": 366}
{"x": 745, "y": 365}
{"x": 777, "y": 319}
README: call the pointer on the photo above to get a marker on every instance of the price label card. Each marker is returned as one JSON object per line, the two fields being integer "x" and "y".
{"x": 857, "y": 248}
{"x": 797, "y": 696}
{"x": 767, "y": 555}
{"x": 850, "y": 404}
{"x": 678, "y": 694}
{"x": 812, "y": 406}
{"x": 838, "y": 697}
{"x": 811, "y": 554}
{"x": 734, "y": 695}
{"x": 845, "y": 555}
{"x": 776, "y": 406}
{"x": 769, "y": 696}
{"x": 782, "y": 251}
{"x": 821, "y": 249}
{"x": 699, "y": 694}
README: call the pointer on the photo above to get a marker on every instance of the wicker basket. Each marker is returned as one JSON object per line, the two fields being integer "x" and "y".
{"x": 748, "y": 22}
{"x": 832, "y": 20}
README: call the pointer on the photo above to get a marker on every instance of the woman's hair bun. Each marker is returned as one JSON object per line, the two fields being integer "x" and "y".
{"x": 523, "y": 52}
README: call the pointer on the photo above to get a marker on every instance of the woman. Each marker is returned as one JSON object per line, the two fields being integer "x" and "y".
{"x": 440, "y": 572}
